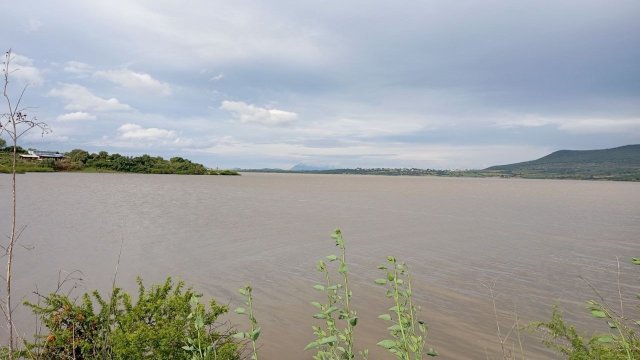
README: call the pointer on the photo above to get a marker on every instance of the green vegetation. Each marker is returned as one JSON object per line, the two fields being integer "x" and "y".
{"x": 621, "y": 163}
{"x": 408, "y": 333}
{"x": 332, "y": 341}
{"x": 254, "y": 332}
{"x": 621, "y": 342}
{"x": 83, "y": 161}
{"x": 22, "y": 166}
{"x": 155, "y": 326}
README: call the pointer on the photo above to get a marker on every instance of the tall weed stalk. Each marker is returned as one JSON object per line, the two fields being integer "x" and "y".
{"x": 253, "y": 333}
{"x": 408, "y": 333}
{"x": 335, "y": 340}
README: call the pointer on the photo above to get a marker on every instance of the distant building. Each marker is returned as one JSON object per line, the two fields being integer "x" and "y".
{"x": 34, "y": 154}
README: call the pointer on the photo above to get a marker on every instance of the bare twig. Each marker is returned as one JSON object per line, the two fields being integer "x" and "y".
{"x": 619, "y": 289}
{"x": 15, "y": 123}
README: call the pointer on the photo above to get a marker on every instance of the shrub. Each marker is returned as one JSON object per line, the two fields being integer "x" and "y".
{"x": 621, "y": 342}
{"x": 155, "y": 326}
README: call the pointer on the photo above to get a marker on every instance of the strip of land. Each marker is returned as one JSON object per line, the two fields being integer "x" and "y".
{"x": 616, "y": 164}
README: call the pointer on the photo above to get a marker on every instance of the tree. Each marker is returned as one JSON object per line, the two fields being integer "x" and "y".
{"x": 3, "y": 143}
{"x": 15, "y": 122}
{"x": 78, "y": 155}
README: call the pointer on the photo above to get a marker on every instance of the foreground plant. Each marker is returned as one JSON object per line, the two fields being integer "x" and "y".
{"x": 155, "y": 326}
{"x": 254, "y": 332}
{"x": 334, "y": 341}
{"x": 15, "y": 122}
{"x": 621, "y": 342}
{"x": 197, "y": 346}
{"x": 408, "y": 333}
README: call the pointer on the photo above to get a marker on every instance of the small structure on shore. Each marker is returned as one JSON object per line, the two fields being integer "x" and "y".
{"x": 33, "y": 154}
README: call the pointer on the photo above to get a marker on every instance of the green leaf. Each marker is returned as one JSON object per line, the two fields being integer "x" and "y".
{"x": 255, "y": 334}
{"x": 612, "y": 325}
{"x": 199, "y": 323}
{"x": 311, "y": 345}
{"x": 318, "y": 287}
{"x": 386, "y": 317}
{"x": 241, "y": 310}
{"x": 239, "y": 335}
{"x": 598, "y": 314}
{"x": 394, "y": 327}
{"x": 343, "y": 268}
{"x": 432, "y": 352}
{"x": 422, "y": 327}
{"x": 380, "y": 281}
{"x": 316, "y": 304}
{"x": 188, "y": 348}
{"x": 635, "y": 261}
{"x": 353, "y": 321}
{"x": 605, "y": 339}
{"x": 320, "y": 316}
{"x": 327, "y": 340}
{"x": 387, "y": 344}
{"x": 330, "y": 310}
{"x": 332, "y": 258}
{"x": 391, "y": 276}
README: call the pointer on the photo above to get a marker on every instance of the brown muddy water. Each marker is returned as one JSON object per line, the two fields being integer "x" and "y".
{"x": 531, "y": 239}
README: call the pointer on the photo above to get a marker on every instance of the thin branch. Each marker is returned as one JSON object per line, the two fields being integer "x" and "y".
{"x": 619, "y": 289}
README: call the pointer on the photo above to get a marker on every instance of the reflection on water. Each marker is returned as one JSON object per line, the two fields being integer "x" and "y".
{"x": 532, "y": 238}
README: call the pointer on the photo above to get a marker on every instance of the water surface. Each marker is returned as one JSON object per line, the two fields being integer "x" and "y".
{"x": 530, "y": 239}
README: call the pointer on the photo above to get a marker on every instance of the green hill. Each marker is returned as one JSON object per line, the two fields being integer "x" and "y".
{"x": 621, "y": 163}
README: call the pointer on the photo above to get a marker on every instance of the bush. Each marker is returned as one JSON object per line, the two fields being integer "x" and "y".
{"x": 621, "y": 342}
{"x": 156, "y": 326}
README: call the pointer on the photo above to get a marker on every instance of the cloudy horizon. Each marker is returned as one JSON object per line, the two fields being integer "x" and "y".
{"x": 249, "y": 84}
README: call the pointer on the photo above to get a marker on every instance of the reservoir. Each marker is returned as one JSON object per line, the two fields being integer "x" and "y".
{"x": 535, "y": 243}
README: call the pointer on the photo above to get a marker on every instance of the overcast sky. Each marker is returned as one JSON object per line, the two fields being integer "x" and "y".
{"x": 428, "y": 84}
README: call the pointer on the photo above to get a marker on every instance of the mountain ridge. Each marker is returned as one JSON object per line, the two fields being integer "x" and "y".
{"x": 614, "y": 163}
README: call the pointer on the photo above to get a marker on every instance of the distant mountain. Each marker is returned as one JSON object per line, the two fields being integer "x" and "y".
{"x": 621, "y": 163}
{"x": 305, "y": 167}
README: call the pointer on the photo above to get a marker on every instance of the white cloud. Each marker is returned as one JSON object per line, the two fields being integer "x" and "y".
{"x": 80, "y": 98}
{"x": 207, "y": 33}
{"x": 367, "y": 126}
{"x": 77, "y": 67}
{"x": 22, "y": 69}
{"x": 217, "y": 77}
{"x": 248, "y": 113}
{"x": 137, "y": 132}
{"x": 135, "y": 81}
{"x": 574, "y": 125}
{"x": 76, "y": 116}
{"x": 524, "y": 121}
{"x": 601, "y": 126}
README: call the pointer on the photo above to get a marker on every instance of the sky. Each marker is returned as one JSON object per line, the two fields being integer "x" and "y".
{"x": 255, "y": 84}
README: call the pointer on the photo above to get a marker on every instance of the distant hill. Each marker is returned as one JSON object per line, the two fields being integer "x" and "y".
{"x": 621, "y": 163}
{"x": 305, "y": 167}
